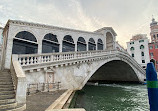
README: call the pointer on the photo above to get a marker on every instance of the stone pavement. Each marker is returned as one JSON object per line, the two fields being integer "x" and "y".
{"x": 42, "y": 100}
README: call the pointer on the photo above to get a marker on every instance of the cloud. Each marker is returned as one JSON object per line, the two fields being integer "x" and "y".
{"x": 127, "y": 17}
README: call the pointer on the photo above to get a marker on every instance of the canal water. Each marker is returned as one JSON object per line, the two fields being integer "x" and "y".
{"x": 113, "y": 97}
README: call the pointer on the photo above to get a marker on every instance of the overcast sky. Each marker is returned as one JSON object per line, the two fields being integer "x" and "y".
{"x": 127, "y": 17}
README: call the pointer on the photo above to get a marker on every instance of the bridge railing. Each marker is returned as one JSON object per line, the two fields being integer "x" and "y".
{"x": 30, "y": 59}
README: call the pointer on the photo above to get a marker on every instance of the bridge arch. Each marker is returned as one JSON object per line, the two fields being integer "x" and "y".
{"x": 100, "y": 71}
{"x": 109, "y": 41}
{"x": 24, "y": 43}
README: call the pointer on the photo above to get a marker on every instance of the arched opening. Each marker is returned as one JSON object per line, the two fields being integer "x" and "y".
{"x": 109, "y": 41}
{"x": 50, "y": 44}
{"x": 91, "y": 44}
{"x": 132, "y": 48}
{"x": 100, "y": 44}
{"x": 81, "y": 44}
{"x": 68, "y": 44}
{"x": 115, "y": 71}
{"x": 142, "y": 47}
{"x": 24, "y": 43}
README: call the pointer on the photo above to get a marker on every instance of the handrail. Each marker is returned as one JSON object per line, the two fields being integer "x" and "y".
{"x": 19, "y": 80}
{"x": 34, "y": 59}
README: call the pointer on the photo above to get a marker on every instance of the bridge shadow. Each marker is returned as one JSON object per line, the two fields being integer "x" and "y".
{"x": 114, "y": 71}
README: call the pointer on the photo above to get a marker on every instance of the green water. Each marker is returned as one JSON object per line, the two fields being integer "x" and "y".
{"x": 113, "y": 97}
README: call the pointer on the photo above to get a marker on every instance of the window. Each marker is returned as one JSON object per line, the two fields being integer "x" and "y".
{"x": 150, "y": 47}
{"x": 156, "y": 62}
{"x": 151, "y": 54}
{"x": 142, "y": 53}
{"x": 132, "y": 48}
{"x": 100, "y": 44}
{"x": 157, "y": 35}
{"x": 50, "y": 43}
{"x": 91, "y": 44}
{"x": 132, "y": 55}
{"x": 156, "y": 46}
{"x": 81, "y": 44}
{"x": 25, "y": 43}
{"x": 154, "y": 36}
{"x": 68, "y": 44}
{"x": 143, "y": 61}
{"x": 141, "y": 41}
{"x": 142, "y": 47}
{"x": 131, "y": 42}
{"x": 144, "y": 67}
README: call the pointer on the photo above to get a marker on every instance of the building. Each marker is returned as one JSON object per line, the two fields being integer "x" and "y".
{"x": 30, "y": 38}
{"x": 153, "y": 46}
{"x": 1, "y": 30}
{"x": 138, "y": 49}
{"x": 1, "y": 40}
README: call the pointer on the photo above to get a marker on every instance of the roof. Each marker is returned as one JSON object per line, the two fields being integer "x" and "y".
{"x": 107, "y": 28}
{"x": 47, "y": 26}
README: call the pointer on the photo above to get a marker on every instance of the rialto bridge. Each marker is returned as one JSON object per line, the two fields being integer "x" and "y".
{"x": 37, "y": 53}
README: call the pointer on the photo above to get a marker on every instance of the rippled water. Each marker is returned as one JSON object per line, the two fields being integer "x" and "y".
{"x": 113, "y": 97}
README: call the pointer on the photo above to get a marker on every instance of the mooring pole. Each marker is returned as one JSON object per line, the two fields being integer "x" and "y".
{"x": 152, "y": 85}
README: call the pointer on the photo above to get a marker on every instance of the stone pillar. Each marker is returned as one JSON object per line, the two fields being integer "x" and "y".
{"x": 8, "y": 53}
{"x": 39, "y": 47}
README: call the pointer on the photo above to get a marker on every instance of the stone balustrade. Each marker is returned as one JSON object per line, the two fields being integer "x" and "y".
{"x": 31, "y": 59}
{"x": 27, "y": 60}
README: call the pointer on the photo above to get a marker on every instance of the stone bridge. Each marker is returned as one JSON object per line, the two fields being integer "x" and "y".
{"x": 37, "y": 54}
{"x": 74, "y": 69}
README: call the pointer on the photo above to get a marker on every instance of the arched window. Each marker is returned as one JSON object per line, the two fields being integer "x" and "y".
{"x": 132, "y": 55}
{"x": 100, "y": 44}
{"x": 68, "y": 44}
{"x": 91, "y": 44}
{"x": 132, "y": 48}
{"x": 24, "y": 43}
{"x": 142, "y": 47}
{"x": 50, "y": 44}
{"x": 81, "y": 44}
{"x": 109, "y": 41}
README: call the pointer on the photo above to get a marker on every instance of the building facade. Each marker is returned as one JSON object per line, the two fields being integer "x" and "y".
{"x": 31, "y": 38}
{"x": 138, "y": 49}
{"x": 153, "y": 46}
{"x": 1, "y": 37}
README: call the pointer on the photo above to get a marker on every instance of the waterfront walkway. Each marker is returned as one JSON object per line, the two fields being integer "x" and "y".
{"x": 42, "y": 100}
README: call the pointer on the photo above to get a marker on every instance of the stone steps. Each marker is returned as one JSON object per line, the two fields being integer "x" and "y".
{"x": 6, "y": 82}
{"x": 8, "y": 105}
{"x": 6, "y": 85}
{"x": 20, "y": 107}
{"x": 6, "y": 92}
{"x": 7, "y": 96}
{"x": 5, "y": 101}
{"x": 6, "y": 89}
{"x": 5, "y": 79}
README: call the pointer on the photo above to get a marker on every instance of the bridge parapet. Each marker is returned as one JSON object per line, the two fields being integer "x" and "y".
{"x": 36, "y": 60}
{"x": 74, "y": 69}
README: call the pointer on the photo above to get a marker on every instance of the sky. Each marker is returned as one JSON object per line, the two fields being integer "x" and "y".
{"x": 126, "y": 17}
